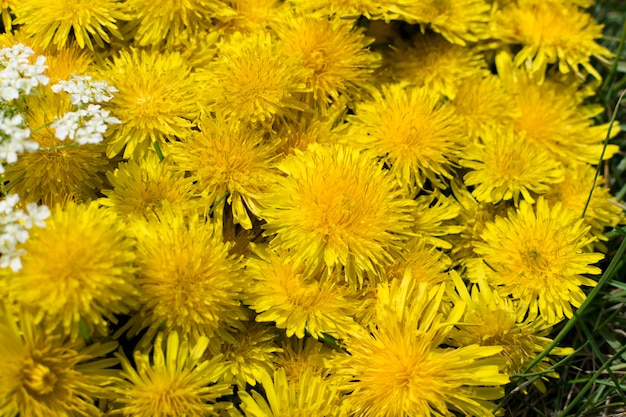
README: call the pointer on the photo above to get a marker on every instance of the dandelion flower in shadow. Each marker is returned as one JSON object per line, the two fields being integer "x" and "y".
{"x": 44, "y": 374}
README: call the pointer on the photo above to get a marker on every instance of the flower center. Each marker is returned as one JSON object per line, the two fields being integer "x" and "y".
{"x": 535, "y": 260}
{"x": 39, "y": 378}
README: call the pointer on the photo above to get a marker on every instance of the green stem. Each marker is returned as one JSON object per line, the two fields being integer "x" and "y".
{"x": 57, "y": 148}
{"x": 606, "y": 142}
{"x": 219, "y": 200}
{"x": 37, "y": 129}
{"x": 84, "y": 333}
{"x": 608, "y": 274}
{"x": 590, "y": 382}
{"x": 157, "y": 148}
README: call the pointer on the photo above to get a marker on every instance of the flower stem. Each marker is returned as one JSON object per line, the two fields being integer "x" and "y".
{"x": 56, "y": 148}
{"x": 222, "y": 198}
{"x": 157, "y": 148}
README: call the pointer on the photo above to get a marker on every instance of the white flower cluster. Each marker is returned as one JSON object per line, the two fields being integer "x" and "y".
{"x": 17, "y": 74}
{"x": 88, "y": 124}
{"x": 85, "y": 126}
{"x": 14, "y": 227}
{"x": 83, "y": 90}
{"x": 14, "y": 139}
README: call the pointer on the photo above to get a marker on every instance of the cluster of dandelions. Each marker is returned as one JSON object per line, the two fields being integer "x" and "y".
{"x": 298, "y": 207}
{"x": 19, "y": 78}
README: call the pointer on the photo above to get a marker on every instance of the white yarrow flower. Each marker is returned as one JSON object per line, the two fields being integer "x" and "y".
{"x": 85, "y": 126}
{"x": 83, "y": 90}
{"x": 14, "y": 138}
{"x": 14, "y": 227}
{"x": 17, "y": 74}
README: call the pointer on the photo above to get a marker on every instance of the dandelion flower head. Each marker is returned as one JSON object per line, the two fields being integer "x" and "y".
{"x": 550, "y": 32}
{"x": 310, "y": 396}
{"x": 141, "y": 186}
{"x": 337, "y": 208}
{"x": 78, "y": 268}
{"x": 52, "y": 22}
{"x": 282, "y": 293}
{"x": 46, "y": 374}
{"x": 412, "y": 130}
{"x": 175, "y": 380}
{"x": 156, "y": 99}
{"x": 334, "y": 50}
{"x": 535, "y": 254}
{"x": 429, "y": 60}
{"x": 399, "y": 369}
{"x": 459, "y": 21}
{"x": 166, "y": 19}
{"x": 505, "y": 165}
{"x": 491, "y": 320}
{"x": 225, "y": 155}
{"x": 254, "y": 80}
{"x": 186, "y": 278}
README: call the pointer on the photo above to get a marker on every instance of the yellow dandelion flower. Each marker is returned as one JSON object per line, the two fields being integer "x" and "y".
{"x": 412, "y": 130}
{"x": 346, "y": 9}
{"x": 550, "y": 115}
{"x": 297, "y": 356}
{"x": 187, "y": 281}
{"x": 156, "y": 101}
{"x": 482, "y": 102}
{"x": 435, "y": 219}
{"x": 311, "y": 396}
{"x": 175, "y": 382}
{"x": 227, "y": 156}
{"x": 197, "y": 47}
{"x": 459, "y": 21}
{"x": 166, "y": 19}
{"x": 67, "y": 61}
{"x": 550, "y": 32}
{"x": 282, "y": 293}
{"x": 45, "y": 375}
{"x": 315, "y": 127}
{"x": 491, "y": 320}
{"x": 52, "y": 21}
{"x": 535, "y": 255}
{"x": 334, "y": 50}
{"x": 473, "y": 216}
{"x": 254, "y": 80}
{"x": 78, "y": 268}
{"x": 397, "y": 368}
{"x": 431, "y": 61}
{"x": 337, "y": 208}
{"x": 426, "y": 263}
{"x": 54, "y": 176}
{"x": 573, "y": 193}
{"x": 142, "y": 187}
{"x": 505, "y": 165}
{"x": 251, "y": 352}
{"x": 252, "y": 16}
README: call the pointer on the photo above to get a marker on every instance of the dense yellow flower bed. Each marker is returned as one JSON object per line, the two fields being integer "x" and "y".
{"x": 293, "y": 208}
